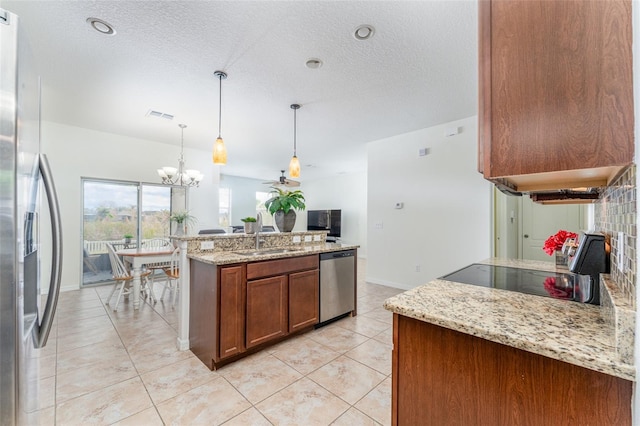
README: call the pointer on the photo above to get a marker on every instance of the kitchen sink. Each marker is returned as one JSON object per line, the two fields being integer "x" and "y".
{"x": 266, "y": 251}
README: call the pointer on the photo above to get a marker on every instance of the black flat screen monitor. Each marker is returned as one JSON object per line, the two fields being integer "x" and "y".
{"x": 325, "y": 220}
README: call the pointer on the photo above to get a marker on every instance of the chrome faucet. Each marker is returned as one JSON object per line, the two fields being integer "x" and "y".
{"x": 258, "y": 229}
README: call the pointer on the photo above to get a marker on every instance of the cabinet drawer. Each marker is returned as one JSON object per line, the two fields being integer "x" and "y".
{"x": 281, "y": 266}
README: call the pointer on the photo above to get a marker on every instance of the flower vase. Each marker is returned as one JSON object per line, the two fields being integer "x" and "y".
{"x": 250, "y": 227}
{"x": 285, "y": 222}
{"x": 179, "y": 229}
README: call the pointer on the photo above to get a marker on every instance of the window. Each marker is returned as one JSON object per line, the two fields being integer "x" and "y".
{"x": 224, "y": 209}
{"x": 125, "y": 214}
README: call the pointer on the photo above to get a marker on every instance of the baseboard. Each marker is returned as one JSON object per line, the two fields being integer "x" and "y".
{"x": 387, "y": 283}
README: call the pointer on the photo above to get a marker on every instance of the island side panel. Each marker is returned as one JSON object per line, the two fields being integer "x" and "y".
{"x": 203, "y": 311}
{"x": 444, "y": 377}
{"x": 231, "y": 321}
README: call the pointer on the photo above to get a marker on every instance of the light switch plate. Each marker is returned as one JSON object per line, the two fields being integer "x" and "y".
{"x": 206, "y": 245}
{"x": 620, "y": 259}
{"x": 307, "y": 238}
{"x": 316, "y": 238}
{"x": 296, "y": 239}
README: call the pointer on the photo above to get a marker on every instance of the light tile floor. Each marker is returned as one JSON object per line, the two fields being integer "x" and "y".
{"x": 104, "y": 367}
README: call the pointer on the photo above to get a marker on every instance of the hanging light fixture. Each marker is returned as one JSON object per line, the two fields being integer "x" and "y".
{"x": 180, "y": 176}
{"x": 294, "y": 164}
{"x": 219, "y": 150}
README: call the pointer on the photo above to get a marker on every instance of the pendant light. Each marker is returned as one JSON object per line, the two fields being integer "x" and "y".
{"x": 294, "y": 165}
{"x": 180, "y": 175}
{"x": 219, "y": 150}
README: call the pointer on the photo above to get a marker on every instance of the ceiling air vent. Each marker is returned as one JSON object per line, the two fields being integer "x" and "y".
{"x": 158, "y": 114}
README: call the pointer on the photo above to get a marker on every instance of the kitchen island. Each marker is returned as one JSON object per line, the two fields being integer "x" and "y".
{"x": 472, "y": 355}
{"x": 243, "y": 299}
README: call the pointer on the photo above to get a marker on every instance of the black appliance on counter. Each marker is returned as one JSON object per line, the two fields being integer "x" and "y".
{"x": 581, "y": 283}
{"x": 590, "y": 258}
{"x": 325, "y": 220}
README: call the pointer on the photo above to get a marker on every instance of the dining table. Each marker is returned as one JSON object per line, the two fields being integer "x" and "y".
{"x": 137, "y": 258}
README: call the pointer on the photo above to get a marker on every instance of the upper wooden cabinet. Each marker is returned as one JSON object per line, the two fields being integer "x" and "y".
{"x": 556, "y": 93}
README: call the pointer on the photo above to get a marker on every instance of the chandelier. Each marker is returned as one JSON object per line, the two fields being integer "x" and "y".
{"x": 180, "y": 176}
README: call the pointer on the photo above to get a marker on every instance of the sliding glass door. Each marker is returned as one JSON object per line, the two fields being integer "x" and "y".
{"x": 126, "y": 215}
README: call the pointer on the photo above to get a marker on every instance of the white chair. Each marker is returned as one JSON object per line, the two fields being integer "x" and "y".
{"x": 153, "y": 267}
{"x": 173, "y": 276}
{"x": 121, "y": 276}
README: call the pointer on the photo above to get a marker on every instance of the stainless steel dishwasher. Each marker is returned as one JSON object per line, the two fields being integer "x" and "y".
{"x": 337, "y": 284}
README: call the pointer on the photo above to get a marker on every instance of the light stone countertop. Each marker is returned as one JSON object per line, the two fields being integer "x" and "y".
{"x": 572, "y": 332}
{"x": 230, "y": 257}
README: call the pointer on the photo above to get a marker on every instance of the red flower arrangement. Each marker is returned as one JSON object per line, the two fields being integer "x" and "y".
{"x": 554, "y": 243}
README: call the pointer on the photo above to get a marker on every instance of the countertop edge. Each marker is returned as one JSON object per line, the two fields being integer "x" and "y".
{"x": 229, "y": 258}
{"x": 510, "y": 319}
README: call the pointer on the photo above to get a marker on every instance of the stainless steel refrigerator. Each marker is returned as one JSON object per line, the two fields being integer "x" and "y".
{"x": 25, "y": 184}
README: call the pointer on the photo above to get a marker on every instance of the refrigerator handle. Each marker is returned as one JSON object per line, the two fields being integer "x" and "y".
{"x": 42, "y": 331}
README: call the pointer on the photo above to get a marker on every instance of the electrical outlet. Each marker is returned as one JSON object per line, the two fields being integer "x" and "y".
{"x": 206, "y": 245}
{"x": 296, "y": 239}
{"x": 417, "y": 268}
{"x": 620, "y": 258}
{"x": 317, "y": 238}
{"x": 378, "y": 225}
{"x": 307, "y": 238}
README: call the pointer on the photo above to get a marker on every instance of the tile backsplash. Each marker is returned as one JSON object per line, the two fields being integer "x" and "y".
{"x": 616, "y": 212}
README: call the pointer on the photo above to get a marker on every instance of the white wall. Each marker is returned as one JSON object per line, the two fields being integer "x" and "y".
{"x": 75, "y": 152}
{"x": 345, "y": 192}
{"x": 243, "y": 195}
{"x": 446, "y": 220}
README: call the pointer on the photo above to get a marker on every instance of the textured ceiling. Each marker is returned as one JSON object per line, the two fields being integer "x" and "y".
{"x": 419, "y": 69}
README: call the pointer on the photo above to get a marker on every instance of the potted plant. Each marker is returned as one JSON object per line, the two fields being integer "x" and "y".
{"x": 127, "y": 238}
{"x": 282, "y": 206}
{"x": 182, "y": 220}
{"x": 250, "y": 225}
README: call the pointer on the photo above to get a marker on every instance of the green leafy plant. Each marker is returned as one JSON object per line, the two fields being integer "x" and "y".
{"x": 128, "y": 236}
{"x": 285, "y": 200}
{"x": 248, "y": 219}
{"x": 183, "y": 218}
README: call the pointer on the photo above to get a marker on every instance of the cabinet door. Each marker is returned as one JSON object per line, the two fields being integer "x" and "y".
{"x": 266, "y": 309}
{"x": 556, "y": 91}
{"x": 232, "y": 311}
{"x": 303, "y": 299}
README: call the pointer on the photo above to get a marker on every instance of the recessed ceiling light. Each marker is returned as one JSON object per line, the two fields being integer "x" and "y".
{"x": 364, "y": 32}
{"x": 101, "y": 26}
{"x": 314, "y": 63}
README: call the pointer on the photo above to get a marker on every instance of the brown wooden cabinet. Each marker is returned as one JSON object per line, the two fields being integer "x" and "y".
{"x": 267, "y": 310}
{"x": 237, "y": 309}
{"x": 556, "y": 94}
{"x": 304, "y": 300}
{"x": 232, "y": 310}
{"x": 444, "y": 377}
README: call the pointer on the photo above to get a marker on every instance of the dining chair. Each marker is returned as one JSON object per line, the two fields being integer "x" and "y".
{"x": 173, "y": 276}
{"x": 122, "y": 277}
{"x": 153, "y": 268}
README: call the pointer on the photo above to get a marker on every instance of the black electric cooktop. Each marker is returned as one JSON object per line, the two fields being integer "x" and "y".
{"x": 559, "y": 285}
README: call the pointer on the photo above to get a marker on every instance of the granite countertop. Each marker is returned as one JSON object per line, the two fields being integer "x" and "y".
{"x": 229, "y": 257}
{"x": 575, "y": 333}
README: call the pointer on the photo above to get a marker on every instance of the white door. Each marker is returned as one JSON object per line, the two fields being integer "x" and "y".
{"x": 539, "y": 222}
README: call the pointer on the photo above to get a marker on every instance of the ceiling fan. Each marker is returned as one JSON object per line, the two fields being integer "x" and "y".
{"x": 283, "y": 181}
